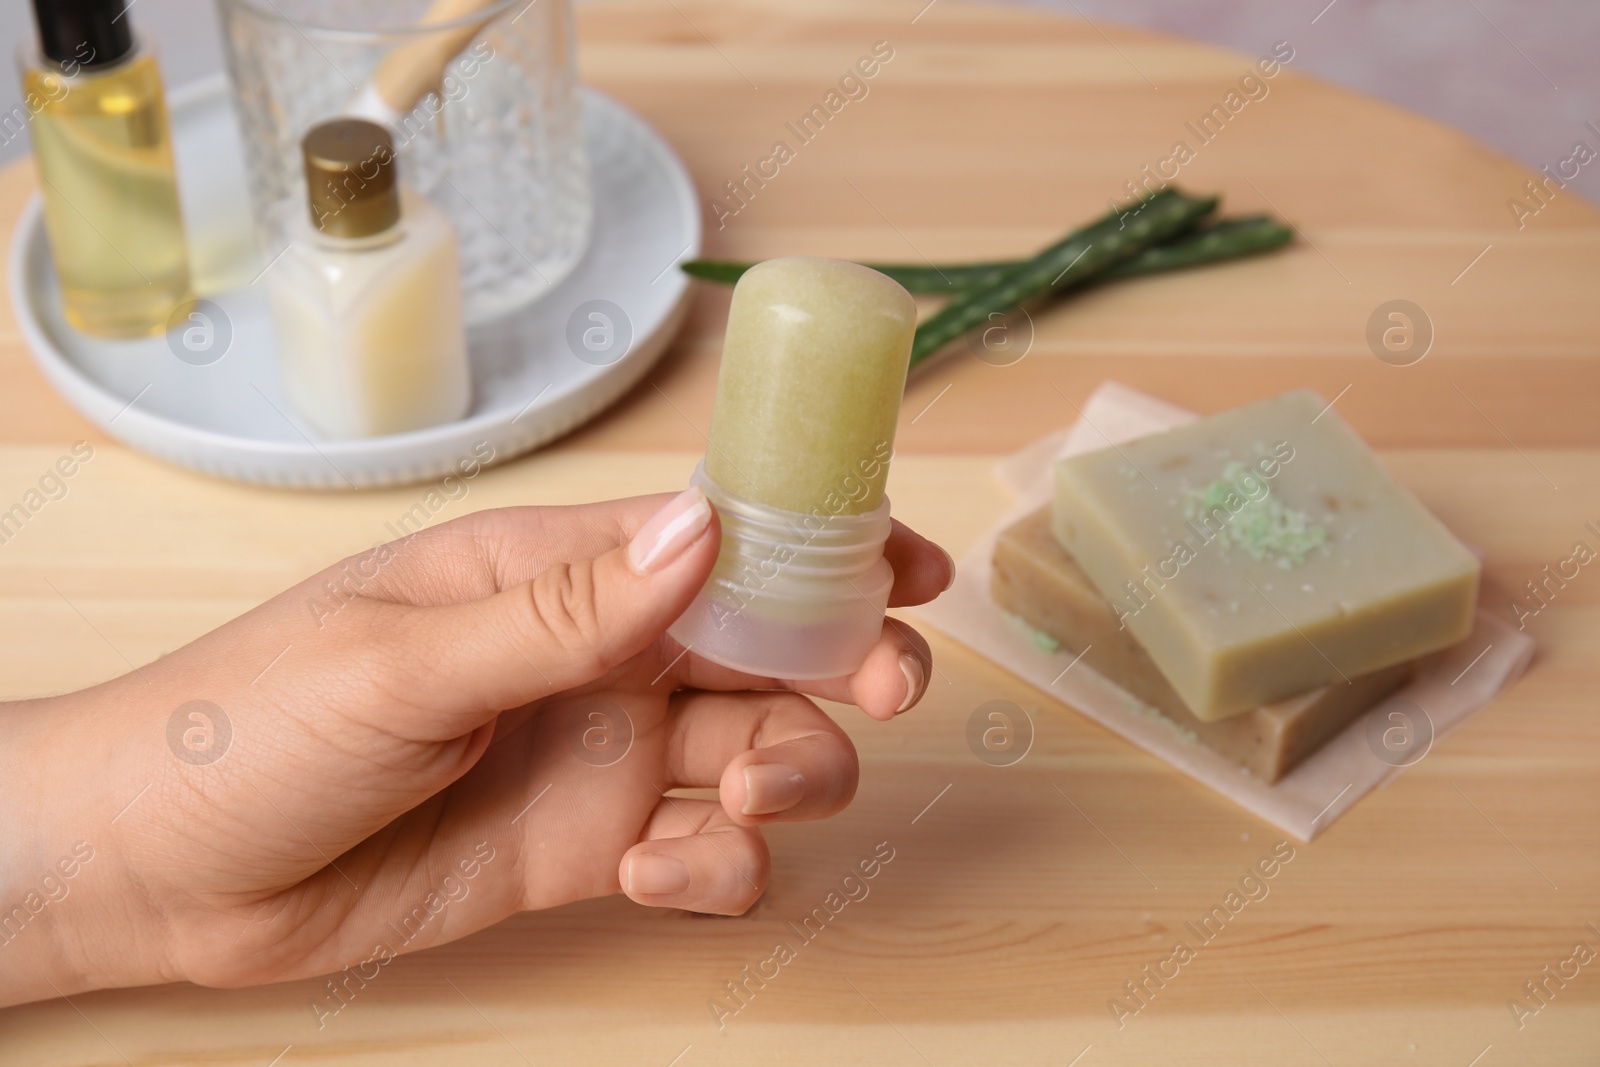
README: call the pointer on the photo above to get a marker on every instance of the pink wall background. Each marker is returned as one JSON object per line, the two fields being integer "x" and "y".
{"x": 1520, "y": 75}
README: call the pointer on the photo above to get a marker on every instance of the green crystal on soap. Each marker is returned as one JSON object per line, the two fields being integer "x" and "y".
{"x": 1263, "y": 527}
{"x": 813, "y": 369}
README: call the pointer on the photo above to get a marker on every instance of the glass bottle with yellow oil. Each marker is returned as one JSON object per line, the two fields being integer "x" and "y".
{"x": 103, "y": 147}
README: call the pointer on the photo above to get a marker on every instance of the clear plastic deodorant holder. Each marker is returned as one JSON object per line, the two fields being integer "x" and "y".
{"x": 793, "y": 594}
{"x": 808, "y": 394}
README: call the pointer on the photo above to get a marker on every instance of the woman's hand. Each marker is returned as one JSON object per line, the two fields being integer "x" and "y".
{"x": 483, "y": 718}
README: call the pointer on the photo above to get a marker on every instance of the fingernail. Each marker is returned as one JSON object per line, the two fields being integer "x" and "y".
{"x": 951, "y": 562}
{"x": 911, "y": 667}
{"x": 669, "y": 531}
{"x": 653, "y": 875}
{"x": 772, "y": 787}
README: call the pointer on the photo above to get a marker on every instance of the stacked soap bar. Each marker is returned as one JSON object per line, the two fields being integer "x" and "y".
{"x": 1262, "y": 553}
{"x": 1035, "y": 579}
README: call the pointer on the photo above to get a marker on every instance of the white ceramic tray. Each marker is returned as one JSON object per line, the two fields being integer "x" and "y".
{"x": 219, "y": 408}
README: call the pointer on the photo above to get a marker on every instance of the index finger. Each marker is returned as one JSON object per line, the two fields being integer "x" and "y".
{"x": 891, "y": 679}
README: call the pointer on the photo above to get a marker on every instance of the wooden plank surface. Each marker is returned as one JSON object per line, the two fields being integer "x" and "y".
{"x": 1009, "y": 917}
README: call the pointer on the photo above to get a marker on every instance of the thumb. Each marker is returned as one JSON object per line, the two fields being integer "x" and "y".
{"x": 458, "y": 665}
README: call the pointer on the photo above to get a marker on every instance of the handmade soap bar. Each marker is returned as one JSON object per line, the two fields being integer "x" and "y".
{"x": 813, "y": 369}
{"x": 1035, "y": 579}
{"x": 1263, "y": 552}
{"x": 807, "y": 399}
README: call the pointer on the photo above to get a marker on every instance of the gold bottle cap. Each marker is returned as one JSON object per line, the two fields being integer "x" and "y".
{"x": 350, "y": 178}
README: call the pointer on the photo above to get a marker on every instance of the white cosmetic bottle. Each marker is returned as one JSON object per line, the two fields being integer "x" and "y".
{"x": 366, "y": 298}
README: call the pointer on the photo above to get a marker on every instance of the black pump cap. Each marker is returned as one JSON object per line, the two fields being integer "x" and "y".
{"x": 89, "y": 33}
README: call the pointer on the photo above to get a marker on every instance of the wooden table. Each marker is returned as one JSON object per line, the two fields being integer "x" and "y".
{"x": 1007, "y": 919}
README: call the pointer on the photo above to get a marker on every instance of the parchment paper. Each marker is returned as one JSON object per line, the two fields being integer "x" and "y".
{"x": 1450, "y": 685}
